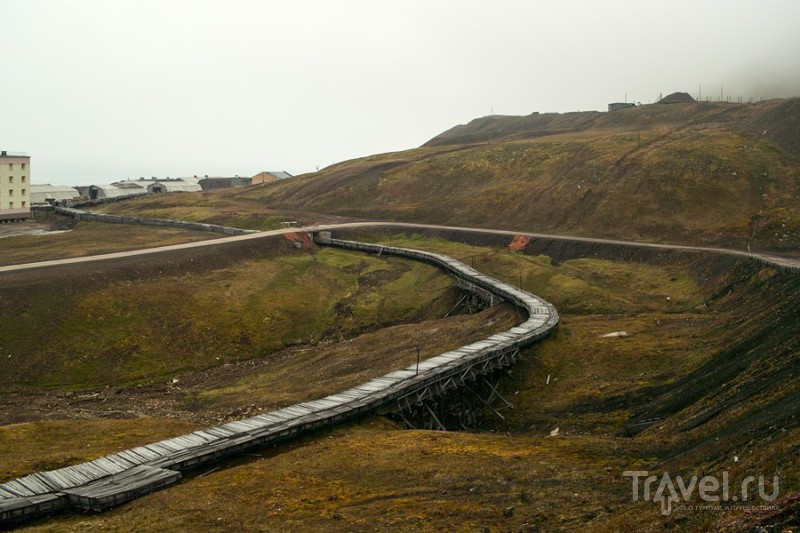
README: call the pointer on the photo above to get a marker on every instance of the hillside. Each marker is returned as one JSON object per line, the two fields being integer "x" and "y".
{"x": 718, "y": 383}
{"x": 707, "y": 173}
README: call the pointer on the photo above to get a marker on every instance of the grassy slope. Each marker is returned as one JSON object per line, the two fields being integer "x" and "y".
{"x": 704, "y": 173}
{"x": 212, "y": 208}
{"x": 700, "y": 185}
{"x": 377, "y": 476}
{"x": 115, "y": 332}
{"x": 310, "y": 373}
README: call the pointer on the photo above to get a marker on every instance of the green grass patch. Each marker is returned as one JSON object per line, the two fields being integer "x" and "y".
{"x": 132, "y": 331}
{"x": 55, "y": 444}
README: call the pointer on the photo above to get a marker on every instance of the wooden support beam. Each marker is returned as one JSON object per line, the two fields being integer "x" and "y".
{"x": 438, "y": 422}
{"x": 494, "y": 393}
{"x": 486, "y": 404}
{"x": 403, "y": 417}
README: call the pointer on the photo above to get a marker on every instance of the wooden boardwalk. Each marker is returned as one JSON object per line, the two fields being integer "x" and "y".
{"x": 123, "y": 476}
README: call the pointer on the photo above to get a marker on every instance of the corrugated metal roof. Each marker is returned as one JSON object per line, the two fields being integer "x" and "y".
{"x": 41, "y": 193}
{"x": 174, "y": 186}
{"x": 133, "y": 185}
{"x": 109, "y": 191}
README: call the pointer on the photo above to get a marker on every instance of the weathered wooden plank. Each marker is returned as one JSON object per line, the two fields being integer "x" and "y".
{"x": 189, "y": 441}
{"x": 238, "y": 427}
{"x": 252, "y": 422}
{"x": 219, "y": 431}
{"x": 146, "y": 452}
{"x": 129, "y": 456}
{"x": 325, "y": 404}
{"x": 402, "y": 374}
{"x": 16, "y": 489}
{"x": 32, "y": 486}
{"x": 342, "y": 397}
{"x": 121, "y": 487}
{"x": 6, "y": 494}
{"x": 205, "y": 435}
{"x": 297, "y": 410}
{"x": 157, "y": 449}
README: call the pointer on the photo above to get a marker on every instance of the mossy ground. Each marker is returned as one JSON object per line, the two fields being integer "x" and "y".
{"x": 35, "y": 446}
{"x": 212, "y": 208}
{"x": 511, "y": 475}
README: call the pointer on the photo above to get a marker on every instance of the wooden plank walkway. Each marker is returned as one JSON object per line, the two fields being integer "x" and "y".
{"x": 120, "y": 477}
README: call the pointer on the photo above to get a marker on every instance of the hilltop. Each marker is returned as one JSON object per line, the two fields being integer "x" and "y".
{"x": 777, "y": 121}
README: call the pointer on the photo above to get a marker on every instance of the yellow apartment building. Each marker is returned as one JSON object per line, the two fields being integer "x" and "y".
{"x": 15, "y": 187}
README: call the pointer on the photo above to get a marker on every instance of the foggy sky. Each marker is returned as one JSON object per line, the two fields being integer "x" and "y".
{"x": 100, "y": 90}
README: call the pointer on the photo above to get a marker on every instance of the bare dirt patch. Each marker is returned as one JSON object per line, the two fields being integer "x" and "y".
{"x": 34, "y": 228}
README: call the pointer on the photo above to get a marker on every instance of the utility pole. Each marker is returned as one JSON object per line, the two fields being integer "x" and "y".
{"x": 417, "y": 361}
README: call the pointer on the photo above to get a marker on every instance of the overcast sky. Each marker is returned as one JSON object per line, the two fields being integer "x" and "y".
{"x": 100, "y": 90}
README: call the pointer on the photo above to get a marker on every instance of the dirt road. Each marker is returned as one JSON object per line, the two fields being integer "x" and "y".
{"x": 787, "y": 262}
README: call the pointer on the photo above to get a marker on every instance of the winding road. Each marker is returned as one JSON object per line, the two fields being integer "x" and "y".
{"x": 776, "y": 260}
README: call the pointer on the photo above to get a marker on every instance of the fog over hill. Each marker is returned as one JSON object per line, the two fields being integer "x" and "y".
{"x": 114, "y": 90}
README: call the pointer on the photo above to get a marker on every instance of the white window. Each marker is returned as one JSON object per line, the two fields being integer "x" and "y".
{"x": 23, "y": 192}
{"x": 23, "y": 166}
{"x": 11, "y": 192}
{"x": 11, "y": 179}
{"x": 11, "y": 205}
{"x": 24, "y": 204}
{"x": 22, "y": 179}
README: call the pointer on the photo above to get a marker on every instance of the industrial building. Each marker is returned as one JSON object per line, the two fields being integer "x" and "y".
{"x": 50, "y": 194}
{"x": 98, "y": 192}
{"x": 133, "y": 186}
{"x": 616, "y": 106}
{"x": 174, "y": 185}
{"x": 216, "y": 182}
